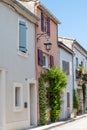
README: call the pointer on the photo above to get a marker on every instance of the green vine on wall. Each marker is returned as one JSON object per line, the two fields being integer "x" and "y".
{"x": 42, "y": 101}
{"x": 75, "y": 100}
{"x": 84, "y": 92}
{"x": 84, "y": 95}
{"x": 57, "y": 82}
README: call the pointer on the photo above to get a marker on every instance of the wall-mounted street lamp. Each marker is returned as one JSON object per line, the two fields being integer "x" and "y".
{"x": 47, "y": 43}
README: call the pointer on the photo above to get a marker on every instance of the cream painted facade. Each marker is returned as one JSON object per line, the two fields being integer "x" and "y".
{"x": 17, "y": 69}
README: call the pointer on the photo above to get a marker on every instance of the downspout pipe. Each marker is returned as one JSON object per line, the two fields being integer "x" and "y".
{"x": 73, "y": 73}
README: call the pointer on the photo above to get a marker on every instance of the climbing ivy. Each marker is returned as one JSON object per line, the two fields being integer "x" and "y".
{"x": 42, "y": 101}
{"x": 75, "y": 100}
{"x": 84, "y": 95}
{"x": 57, "y": 82}
{"x": 84, "y": 92}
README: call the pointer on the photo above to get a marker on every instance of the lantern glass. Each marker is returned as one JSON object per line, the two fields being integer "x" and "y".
{"x": 48, "y": 45}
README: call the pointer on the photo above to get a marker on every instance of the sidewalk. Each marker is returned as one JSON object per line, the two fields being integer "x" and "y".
{"x": 47, "y": 127}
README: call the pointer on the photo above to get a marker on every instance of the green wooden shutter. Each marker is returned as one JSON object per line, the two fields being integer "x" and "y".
{"x": 22, "y": 36}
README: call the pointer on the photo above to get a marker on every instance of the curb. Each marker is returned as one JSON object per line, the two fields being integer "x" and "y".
{"x": 53, "y": 125}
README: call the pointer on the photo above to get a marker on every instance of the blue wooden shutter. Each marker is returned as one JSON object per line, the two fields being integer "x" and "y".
{"x": 22, "y": 36}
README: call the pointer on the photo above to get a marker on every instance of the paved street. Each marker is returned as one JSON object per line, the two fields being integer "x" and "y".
{"x": 80, "y": 124}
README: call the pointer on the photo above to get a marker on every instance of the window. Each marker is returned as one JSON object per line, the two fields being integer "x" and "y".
{"x": 45, "y": 24}
{"x": 65, "y": 66}
{"x": 68, "y": 99}
{"x": 22, "y": 37}
{"x": 18, "y": 96}
{"x": 82, "y": 63}
{"x": 45, "y": 61}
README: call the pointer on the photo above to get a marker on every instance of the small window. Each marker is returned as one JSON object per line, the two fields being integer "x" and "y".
{"x": 18, "y": 96}
{"x": 82, "y": 63}
{"x": 45, "y": 61}
{"x": 22, "y": 37}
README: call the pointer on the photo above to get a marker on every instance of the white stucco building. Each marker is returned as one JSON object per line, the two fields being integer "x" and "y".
{"x": 65, "y": 62}
{"x": 79, "y": 58}
{"x": 18, "y": 95}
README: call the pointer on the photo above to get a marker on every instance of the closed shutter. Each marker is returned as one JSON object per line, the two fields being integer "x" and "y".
{"x": 67, "y": 68}
{"x": 48, "y": 26}
{"x": 68, "y": 99}
{"x": 64, "y": 66}
{"x": 22, "y": 36}
{"x": 42, "y": 22}
{"x": 51, "y": 61}
{"x": 40, "y": 57}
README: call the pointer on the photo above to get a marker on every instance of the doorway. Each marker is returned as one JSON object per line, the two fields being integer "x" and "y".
{"x": 33, "y": 104}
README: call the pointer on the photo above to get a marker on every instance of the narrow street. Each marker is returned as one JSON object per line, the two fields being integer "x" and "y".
{"x": 80, "y": 124}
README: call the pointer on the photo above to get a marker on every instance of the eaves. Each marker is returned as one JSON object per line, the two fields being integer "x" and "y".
{"x": 20, "y": 9}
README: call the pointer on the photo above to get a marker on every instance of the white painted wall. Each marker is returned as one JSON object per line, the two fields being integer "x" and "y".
{"x": 19, "y": 67}
{"x": 64, "y": 55}
{"x": 81, "y": 57}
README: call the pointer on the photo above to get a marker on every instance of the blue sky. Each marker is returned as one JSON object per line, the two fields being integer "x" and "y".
{"x": 73, "y": 17}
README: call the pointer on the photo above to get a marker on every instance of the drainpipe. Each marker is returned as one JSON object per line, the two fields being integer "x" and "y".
{"x": 73, "y": 76}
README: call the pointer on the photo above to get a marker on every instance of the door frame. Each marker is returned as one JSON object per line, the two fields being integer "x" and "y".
{"x": 33, "y": 83}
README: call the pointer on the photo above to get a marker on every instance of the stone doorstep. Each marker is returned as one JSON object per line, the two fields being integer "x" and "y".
{"x": 52, "y": 125}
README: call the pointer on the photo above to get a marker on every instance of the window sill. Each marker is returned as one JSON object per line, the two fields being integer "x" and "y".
{"x": 45, "y": 67}
{"x": 18, "y": 109}
{"x": 23, "y": 54}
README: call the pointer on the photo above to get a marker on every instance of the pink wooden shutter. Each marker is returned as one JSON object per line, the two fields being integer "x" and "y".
{"x": 48, "y": 26}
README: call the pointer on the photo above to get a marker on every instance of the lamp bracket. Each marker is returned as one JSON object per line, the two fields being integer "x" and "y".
{"x": 40, "y": 35}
